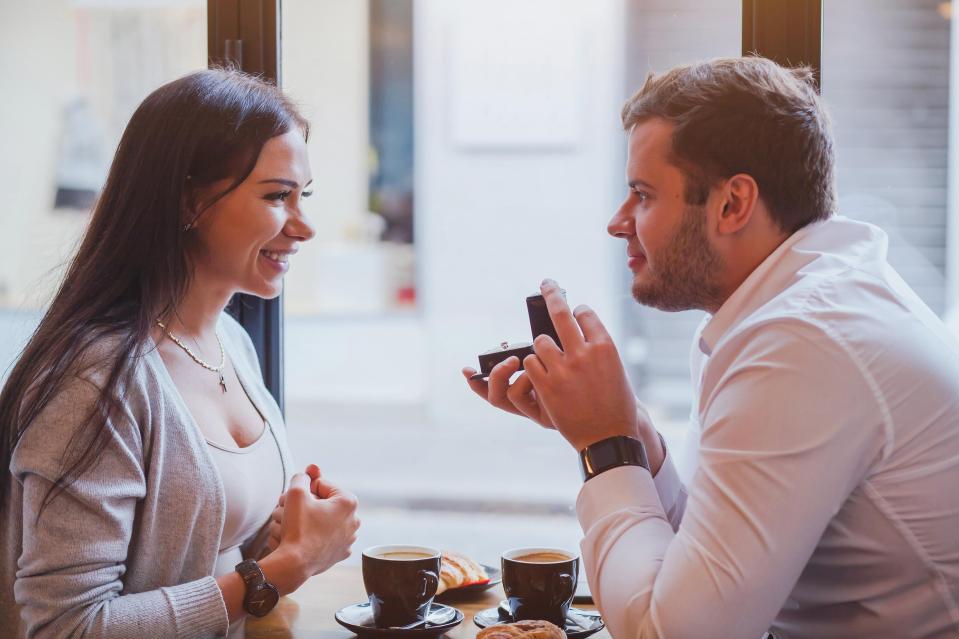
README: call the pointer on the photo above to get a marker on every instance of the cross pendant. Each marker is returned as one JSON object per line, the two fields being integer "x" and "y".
{"x": 222, "y": 382}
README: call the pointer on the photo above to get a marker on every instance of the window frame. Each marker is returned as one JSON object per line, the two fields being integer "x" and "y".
{"x": 245, "y": 34}
{"x": 788, "y": 32}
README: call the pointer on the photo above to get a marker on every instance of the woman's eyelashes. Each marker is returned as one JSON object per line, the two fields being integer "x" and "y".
{"x": 281, "y": 196}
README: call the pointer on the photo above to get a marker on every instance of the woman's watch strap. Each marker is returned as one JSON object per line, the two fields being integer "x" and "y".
{"x": 612, "y": 452}
{"x": 261, "y": 595}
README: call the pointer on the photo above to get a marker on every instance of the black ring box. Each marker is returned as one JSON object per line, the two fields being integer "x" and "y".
{"x": 539, "y": 324}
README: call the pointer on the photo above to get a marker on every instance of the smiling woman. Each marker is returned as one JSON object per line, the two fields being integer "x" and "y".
{"x": 246, "y": 236}
{"x": 137, "y": 411}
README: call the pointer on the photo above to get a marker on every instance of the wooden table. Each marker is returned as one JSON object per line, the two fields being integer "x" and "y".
{"x": 308, "y": 613}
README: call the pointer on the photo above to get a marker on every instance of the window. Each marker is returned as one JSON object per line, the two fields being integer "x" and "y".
{"x": 885, "y": 80}
{"x": 79, "y": 70}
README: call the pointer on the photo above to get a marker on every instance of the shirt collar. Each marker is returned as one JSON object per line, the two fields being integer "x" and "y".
{"x": 749, "y": 296}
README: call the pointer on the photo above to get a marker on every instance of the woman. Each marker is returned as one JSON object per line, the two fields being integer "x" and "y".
{"x": 146, "y": 456}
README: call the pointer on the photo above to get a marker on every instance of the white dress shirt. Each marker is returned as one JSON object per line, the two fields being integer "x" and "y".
{"x": 825, "y": 499}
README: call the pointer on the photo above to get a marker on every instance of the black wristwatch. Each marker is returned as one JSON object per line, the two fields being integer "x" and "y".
{"x": 612, "y": 453}
{"x": 261, "y": 595}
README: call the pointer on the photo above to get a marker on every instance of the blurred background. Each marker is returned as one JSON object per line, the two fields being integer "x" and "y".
{"x": 462, "y": 151}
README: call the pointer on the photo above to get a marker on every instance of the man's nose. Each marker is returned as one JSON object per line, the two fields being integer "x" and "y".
{"x": 621, "y": 224}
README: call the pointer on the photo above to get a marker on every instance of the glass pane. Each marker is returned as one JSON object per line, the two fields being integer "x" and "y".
{"x": 349, "y": 65}
{"x": 459, "y": 158}
{"x": 75, "y": 71}
{"x": 886, "y": 68}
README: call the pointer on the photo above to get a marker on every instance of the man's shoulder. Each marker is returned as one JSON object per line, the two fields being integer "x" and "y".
{"x": 800, "y": 312}
{"x": 853, "y": 325}
{"x": 848, "y": 306}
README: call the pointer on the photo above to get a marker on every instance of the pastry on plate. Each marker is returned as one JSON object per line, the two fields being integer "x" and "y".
{"x": 522, "y": 630}
{"x": 458, "y": 571}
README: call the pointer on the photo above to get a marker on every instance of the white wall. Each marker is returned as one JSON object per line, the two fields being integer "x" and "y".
{"x": 493, "y": 220}
{"x": 15, "y": 329}
{"x": 57, "y": 52}
{"x": 30, "y": 119}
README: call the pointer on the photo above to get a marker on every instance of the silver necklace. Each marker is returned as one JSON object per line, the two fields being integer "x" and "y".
{"x": 216, "y": 369}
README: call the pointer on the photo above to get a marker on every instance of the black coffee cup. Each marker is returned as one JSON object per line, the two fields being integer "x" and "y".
{"x": 401, "y": 582}
{"x": 540, "y": 583}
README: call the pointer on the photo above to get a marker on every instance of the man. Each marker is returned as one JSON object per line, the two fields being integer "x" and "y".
{"x": 824, "y": 501}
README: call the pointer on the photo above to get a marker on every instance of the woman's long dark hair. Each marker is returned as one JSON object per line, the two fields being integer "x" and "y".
{"x": 132, "y": 265}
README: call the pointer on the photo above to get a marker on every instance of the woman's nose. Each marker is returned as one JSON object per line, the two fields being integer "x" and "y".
{"x": 300, "y": 227}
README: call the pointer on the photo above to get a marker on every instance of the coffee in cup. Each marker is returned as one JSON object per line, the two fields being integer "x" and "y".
{"x": 405, "y": 555}
{"x": 400, "y": 582}
{"x": 540, "y": 583}
{"x": 544, "y": 557}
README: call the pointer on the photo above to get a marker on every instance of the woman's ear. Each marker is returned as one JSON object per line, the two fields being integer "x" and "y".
{"x": 740, "y": 196}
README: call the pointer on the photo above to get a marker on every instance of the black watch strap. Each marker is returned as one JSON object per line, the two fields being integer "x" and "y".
{"x": 251, "y": 572}
{"x": 612, "y": 452}
{"x": 261, "y": 595}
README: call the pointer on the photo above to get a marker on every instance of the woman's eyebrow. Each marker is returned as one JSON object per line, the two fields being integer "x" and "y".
{"x": 290, "y": 183}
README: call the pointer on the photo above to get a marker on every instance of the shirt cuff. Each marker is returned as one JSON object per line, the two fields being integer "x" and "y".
{"x": 616, "y": 489}
{"x": 667, "y": 481}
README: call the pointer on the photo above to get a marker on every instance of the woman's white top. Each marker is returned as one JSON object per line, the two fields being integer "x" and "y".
{"x": 253, "y": 476}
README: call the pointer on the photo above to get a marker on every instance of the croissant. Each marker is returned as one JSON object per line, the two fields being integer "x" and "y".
{"x": 457, "y": 571}
{"x": 522, "y": 630}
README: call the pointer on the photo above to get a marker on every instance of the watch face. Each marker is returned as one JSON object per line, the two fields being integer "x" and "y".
{"x": 262, "y": 601}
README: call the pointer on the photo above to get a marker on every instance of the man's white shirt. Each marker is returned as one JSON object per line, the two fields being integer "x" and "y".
{"x": 825, "y": 498}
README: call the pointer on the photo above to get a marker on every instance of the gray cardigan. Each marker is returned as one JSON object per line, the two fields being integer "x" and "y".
{"x": 129, "y": 549}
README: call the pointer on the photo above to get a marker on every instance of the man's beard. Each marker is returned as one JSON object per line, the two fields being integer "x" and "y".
{"x": 686, "y": 273}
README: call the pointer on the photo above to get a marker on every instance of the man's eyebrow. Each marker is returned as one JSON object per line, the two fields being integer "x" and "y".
{"x": 643, "y": 183}
{"x": 290, "y": 183}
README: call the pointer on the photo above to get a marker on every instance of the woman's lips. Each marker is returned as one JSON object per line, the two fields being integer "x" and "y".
{"x": 277, "y": 265}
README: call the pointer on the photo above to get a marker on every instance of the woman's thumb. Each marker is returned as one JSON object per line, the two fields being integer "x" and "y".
{"x": 300, "y": 483}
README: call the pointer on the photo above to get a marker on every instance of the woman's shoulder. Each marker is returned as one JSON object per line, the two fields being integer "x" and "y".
{"x": 95, "y": 359}
{"x": 61, "y": 424}
{"x": 119, "y": 354}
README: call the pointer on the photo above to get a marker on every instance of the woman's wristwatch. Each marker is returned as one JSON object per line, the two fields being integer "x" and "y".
{"x": 612, "y": 452}
{"x": 261, "y": 596}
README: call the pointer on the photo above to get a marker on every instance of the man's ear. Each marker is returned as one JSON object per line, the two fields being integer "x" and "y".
{"x": 740, "y": 195}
